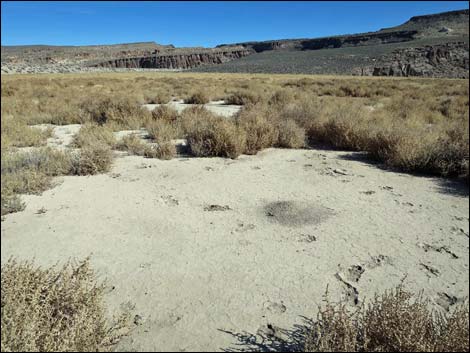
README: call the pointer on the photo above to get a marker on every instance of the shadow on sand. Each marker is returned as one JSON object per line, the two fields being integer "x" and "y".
{"x": 450, "y": 186}
{"x": 273, "y": 339}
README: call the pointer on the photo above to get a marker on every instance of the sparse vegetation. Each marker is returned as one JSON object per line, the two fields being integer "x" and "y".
{"x": 397, "y": 321}
{"x": 93, "y": 159}
{"x": 55, "y": 309}
{"x": 210, "y": 135}
{"x": 197, "y": 98}
{"x": 409, "y": 124}
{"x": 90, "y": 134}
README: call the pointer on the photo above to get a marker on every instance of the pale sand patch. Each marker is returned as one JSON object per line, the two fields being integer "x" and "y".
{"x": 189, "y": 242}
{"x": 217, "y": 107}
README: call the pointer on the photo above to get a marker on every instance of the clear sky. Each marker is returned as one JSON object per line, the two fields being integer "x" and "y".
{"x": 199, "y": 23}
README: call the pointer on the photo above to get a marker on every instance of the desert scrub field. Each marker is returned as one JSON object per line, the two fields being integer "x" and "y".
{"x": 56, "y": 309}
{"x": 410, "y": 124}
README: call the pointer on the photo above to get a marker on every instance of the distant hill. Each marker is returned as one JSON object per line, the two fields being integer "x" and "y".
{"x": 433, "y": 45}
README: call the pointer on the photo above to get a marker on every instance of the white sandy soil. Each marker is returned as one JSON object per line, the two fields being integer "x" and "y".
{"x": 216, "y": 107}
{"x": 203, "y": 249}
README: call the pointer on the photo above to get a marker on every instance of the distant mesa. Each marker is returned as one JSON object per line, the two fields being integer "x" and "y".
{"x": 433, "y": 45}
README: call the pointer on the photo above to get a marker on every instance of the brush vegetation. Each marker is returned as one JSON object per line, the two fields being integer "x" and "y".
{"x": 397, "y": 321}
{"x": 410, "y": 124}
{"x": 56, "y": 309}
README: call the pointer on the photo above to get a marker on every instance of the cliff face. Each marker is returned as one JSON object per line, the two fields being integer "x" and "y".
{"x": 330, "y": 42}
{"x": 175, "y": 61}
{"x": 447, "y": 60}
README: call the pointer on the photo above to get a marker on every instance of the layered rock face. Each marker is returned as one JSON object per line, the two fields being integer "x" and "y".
{"x": 330, "y": 42}
{"x": 446, "y": 60}
{"x": 175, "y": 61}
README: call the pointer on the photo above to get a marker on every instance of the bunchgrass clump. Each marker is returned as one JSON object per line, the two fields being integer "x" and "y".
{"x": 55, "y": 309}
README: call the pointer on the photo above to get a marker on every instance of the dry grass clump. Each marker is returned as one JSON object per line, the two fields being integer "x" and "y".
{"x": 91, "y": 133}
{"x": 30, "y": 172}
{"x": 166, "y": 113}
{"x": 210, "y": 135}
{"x": 290, "y": 135}
{"x": 132, "y": 144}
{"x": 117, "y": 112}
{"x": 197, "y": 98}
{"x": 93, "y": 159}
{"x": 158, "y": 97}
{"x": 260, "y": 131}
{"x": 281, "y": 98}
{"x": 242, "y": 98}
{"x": 164, "y": 150}
{"x": 397, "y": 321}
{"x": 17, "y": 133}
{"x": 161, "y": 130}
{"x": 55, "y": 309}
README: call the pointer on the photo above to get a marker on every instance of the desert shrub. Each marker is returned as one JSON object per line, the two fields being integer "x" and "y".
{"x": 158, "y": 97}
{"x": 260, "y": 132}
{"x": 30, "y": 172}
{"x": 164, "y": 112}
{"x": 397, "y": 321}
{"x": 16, "y": 133}
{"x": 11, "y": 203}
{"x": 116, "y": 111}
{"x": 161, "y": 130}
{"x": 55, "y": 309}
{"x": 132, "y": 144}
{"x": 93, "y": 159}
{"x": 163, "y": 150}
{"x": 242, "y": 98}
{"x": 197, "y": 98}
{"x": 210, "y": 135}
{"x": 281, "y": 98}
{"x": 90, "y": 134}
{"x": 290, "y": 135}
{"x": 341, "y": 125}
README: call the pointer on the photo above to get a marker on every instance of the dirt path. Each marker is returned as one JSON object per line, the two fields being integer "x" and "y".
{"x": 204, "y": 247}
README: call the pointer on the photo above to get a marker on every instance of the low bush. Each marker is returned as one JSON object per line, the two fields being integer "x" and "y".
{"x": 210, "y": 135}
{"x": 242, "y": 98}
{"x": 158, "y": 97}
{"x": 163, "y": 150}
{"x": 397, "y": 321}
{"x": 197, "y": 98}
{"x": 132, "y": 144}
{"x": 93, "y": 159}
{"x": 55, "y": 309}
{"x": 91, "y": 134}
{"x": 290, "y": 135}
{"x": 260, "y": 132}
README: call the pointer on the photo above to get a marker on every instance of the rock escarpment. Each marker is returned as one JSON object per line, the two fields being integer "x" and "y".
{"x": 176, "y": 61}
{"x": 446, "y": 60}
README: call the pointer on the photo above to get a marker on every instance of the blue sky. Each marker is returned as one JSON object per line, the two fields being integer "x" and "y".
{"x": 199, "y": 23}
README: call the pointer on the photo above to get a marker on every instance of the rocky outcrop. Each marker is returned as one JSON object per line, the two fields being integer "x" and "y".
{"x": 358, "y": 40}
{"x": 446, "y": 60}
{"x": 175, "y": 61}
{"x": 330, "y": 42}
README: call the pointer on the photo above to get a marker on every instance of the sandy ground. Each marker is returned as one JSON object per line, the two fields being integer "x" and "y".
{"x": 209, "y": 251}
{"x": 217, "y": 107}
